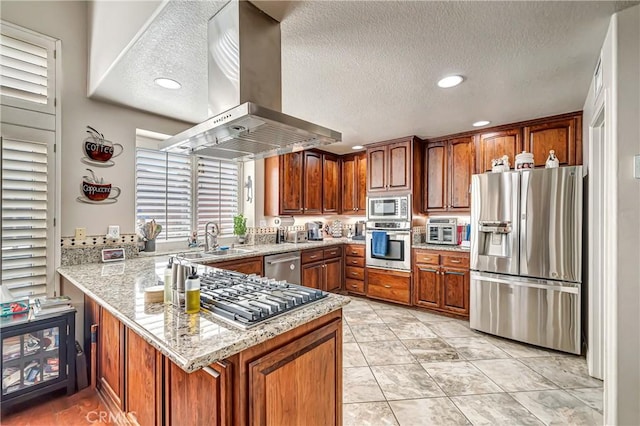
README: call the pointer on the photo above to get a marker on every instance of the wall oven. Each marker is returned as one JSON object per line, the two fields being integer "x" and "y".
{"x": 442, "y": 231}
{"x": 398, "y": 254}
{"x": 389, "y": 208}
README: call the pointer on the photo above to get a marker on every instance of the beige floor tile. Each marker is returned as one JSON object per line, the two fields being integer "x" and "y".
{"x": 513, "y": 376}
{"x": 386, "y": 353}
{"x": 431, "y": 350}
{"x": 494, "y": 409}
{"x": 451, "y": 329}
{"x": 593, "y": 397}
{"x": 352, "y": 356}
{"x": 372, "y": 332}
{"x": 558, "y": 407}
{"x": 412, "y": 331}
{"x": 431, "y": 411}
{"x": 460, "y": 378}
{"x": 429, "y": 317}
{"x": 475, "y": 348}
{"x": 397, "y": 316}
{"x": 408, "y": 381}
{"x": 347, "y": 335}
{"x": 566, "y": 372}
{"x": 359, "y": 385}
{"x": 361, "y": 317}
{"x": 517, "y": 349}
{"x": 368, "y": 414}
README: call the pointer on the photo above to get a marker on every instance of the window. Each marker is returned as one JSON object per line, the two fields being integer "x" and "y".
{"x": 28, "y": 136}
{"x": 183, "y": 193}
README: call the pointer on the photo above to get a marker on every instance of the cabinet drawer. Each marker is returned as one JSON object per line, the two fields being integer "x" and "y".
{"x": 355, "y": 250}
{"x": 455, "y": 261}
{"x": 354, "y": 286}
{"x": 392, "y": 286}
{"x": 332, "y": 252}
{"x": 311, "y": 256}
{"x": 355, "y": 261}
{"x": 427, "y": 257}
{"x": 354, "y": 273}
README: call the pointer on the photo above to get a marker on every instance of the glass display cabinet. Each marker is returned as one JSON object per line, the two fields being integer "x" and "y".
{"x": 38, "y": 356}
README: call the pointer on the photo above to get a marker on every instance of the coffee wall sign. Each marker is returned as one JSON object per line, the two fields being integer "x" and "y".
{"x": 98, "y": 151}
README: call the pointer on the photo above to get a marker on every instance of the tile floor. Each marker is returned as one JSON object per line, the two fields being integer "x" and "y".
{"x": 408, "y": 367}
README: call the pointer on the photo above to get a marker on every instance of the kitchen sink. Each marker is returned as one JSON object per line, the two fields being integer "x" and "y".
{"x": 204, "y": 255}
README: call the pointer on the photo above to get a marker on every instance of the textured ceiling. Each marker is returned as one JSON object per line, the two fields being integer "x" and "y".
{"x": 369, "y": 69}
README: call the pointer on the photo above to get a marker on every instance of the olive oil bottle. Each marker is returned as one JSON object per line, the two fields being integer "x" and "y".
{"x": 192, "y": 292}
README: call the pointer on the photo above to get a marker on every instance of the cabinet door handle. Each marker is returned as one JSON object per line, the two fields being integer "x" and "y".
{"x": 213, "y": 373}
{"x": 354, "y": 253}
{"x": 428, "y": 270}
{"x": 454, "y": 261}
{"x": 313, "y": 257}
{"x": 453, "y": 273}
{"x": 354, "y": 273}
{"x": 354, "y": 286}
{"x": 354, "y": 262}
{"x": 387, "y": 286}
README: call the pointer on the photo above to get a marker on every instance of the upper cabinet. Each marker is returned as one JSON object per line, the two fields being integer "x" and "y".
{"x": 304, "y": 182}
{"x": 496, "y": 144}
{"x": 564, "y": 136}
{"x": 449, "y": 165}
{"x": 390, "y": 166}
{"x": 354, "y": 183}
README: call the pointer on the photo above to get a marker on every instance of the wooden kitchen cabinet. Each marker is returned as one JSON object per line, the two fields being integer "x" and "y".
{"x": 305, "y": 182}
{"x": 392, "y": 165}
{"x": 322, "y": 268}
{"x": 354, "y": 275}
{"x": 250, "y": 265}
{"x": 330, "y": 182}
{"x": 564, "y": 136}
{"x": 111, "y": 335}
{"x": 492, "y": 145}
{"x": 449, "y": 166}
{"x": 441, "y": 281}
{"x": 143, "y": 381}
{"x": 392, "y": 286}
{"x": 354, "y": 184}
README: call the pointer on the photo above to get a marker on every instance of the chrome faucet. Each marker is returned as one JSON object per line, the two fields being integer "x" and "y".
{"x": 213, "y": 234}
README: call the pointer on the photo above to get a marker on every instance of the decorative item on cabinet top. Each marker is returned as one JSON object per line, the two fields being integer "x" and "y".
{"x": 552, "y": 161}
{"x": 99, "y": 151}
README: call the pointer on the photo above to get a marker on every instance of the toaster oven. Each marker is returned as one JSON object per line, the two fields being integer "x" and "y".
{"x": 442, "y": 231}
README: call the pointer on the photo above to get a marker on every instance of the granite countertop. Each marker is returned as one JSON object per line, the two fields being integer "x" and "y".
{"x": 257, "y": 250}
{"x": 442, "y": 247}
{"x": 191, "y": 341}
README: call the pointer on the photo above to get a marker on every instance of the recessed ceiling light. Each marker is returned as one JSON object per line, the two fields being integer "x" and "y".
{"x": 450, "y": 81}
{"x": 357, "y": 147}
{"x": 167, "y": 83}
{"x": 481, "y": 123}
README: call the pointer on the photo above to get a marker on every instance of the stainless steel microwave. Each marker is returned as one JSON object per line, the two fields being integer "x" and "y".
{"x": 389, "y": 208}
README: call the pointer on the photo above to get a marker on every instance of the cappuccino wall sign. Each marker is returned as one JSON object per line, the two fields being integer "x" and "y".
{"x": 96, "y": 191}
{"x": 98, "y": 151}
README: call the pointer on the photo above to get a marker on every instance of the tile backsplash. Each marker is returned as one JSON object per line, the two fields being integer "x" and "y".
{"x": 89, "y": 250}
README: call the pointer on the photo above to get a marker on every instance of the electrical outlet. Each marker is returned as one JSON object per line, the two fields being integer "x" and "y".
{"x": 81, "y": 233}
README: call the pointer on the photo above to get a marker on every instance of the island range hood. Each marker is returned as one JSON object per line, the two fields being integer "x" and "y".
{"x": 245, "y": 94}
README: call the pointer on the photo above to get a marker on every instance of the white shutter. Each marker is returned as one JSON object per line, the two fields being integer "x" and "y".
{"x": 25, "y": 202}
{"x": 27, "y": 74}
{"x": 163, "y": 192}
{"x": 217, "y": 194}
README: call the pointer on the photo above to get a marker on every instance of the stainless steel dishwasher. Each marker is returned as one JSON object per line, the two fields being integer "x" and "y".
{"x": 283, "y": 267}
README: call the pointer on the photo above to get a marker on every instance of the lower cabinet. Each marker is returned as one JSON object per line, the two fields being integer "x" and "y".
{"x": 143, "y": 381}
{"x": 392, "y": 286}
{"x": 322, "y": 268}
{"x": 354, "y": 269}
{"x": 111, "y": 334}
{"x": 250, "y": 265}
{"x": 441, "y": 281}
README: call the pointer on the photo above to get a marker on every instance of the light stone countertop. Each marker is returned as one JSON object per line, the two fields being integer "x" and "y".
{"x": 257, "y": 250}
{"x": 191, "y": 341}
{"x": 442, "y": 247}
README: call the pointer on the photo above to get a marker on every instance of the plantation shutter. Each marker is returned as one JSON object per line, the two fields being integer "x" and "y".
{"x": 163, "y": 192}
{"x": 217, "y": 194}
{"x": 26, "y": 69}
{"x": 27, "y": 139}
{"x": 25, "y": 213}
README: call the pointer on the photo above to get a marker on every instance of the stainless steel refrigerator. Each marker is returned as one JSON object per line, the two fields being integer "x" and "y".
{"x": 526, "y": 256}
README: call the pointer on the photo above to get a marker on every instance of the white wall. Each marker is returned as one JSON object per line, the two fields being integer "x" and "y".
{"x": 621, "y": 216}
{"x": 67, "y": 21}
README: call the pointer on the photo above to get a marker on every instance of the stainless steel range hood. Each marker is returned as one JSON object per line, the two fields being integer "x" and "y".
{"x": 245, "y": 93}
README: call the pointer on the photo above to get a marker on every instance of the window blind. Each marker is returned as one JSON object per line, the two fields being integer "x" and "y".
{"x": 217, "y": 194}
{"x": 163, "y": 192}
{"x": 25, "y": 201}
{"x": 27, "y": 71}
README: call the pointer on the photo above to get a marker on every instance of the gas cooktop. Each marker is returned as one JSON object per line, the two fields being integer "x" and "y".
{"x": 246, "y": 300}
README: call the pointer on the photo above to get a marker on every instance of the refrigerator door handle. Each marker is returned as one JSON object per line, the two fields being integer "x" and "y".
{"x": 524, "y": 189}
{"x": 573, "y": 289}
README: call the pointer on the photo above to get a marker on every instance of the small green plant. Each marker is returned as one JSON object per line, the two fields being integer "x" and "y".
{"x": 239, "y": 225}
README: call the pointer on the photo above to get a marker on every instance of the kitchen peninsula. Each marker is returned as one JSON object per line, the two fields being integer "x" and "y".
{"x": 157, "y": 365}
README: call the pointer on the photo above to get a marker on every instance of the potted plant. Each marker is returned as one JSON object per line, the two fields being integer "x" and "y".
{"x": 240, "y": 227}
